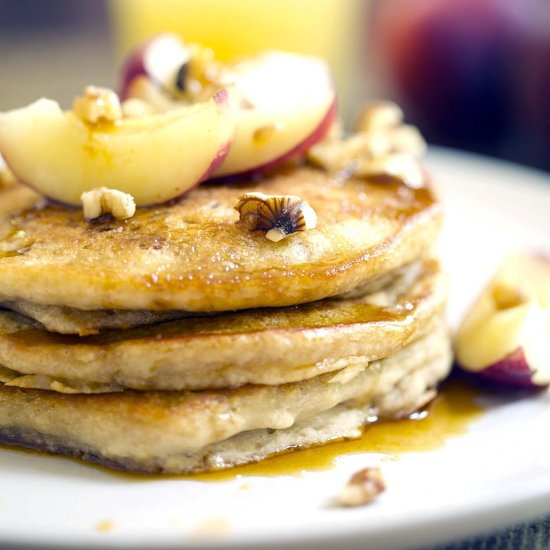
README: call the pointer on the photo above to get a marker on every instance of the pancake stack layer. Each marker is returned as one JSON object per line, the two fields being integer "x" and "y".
{"x": 177, "y": 341}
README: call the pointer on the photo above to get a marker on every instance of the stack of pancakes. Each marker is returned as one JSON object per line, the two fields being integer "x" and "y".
{"x": 178, "y": 341}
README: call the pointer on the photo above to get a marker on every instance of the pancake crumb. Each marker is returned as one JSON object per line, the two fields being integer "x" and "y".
{"x": 390, "y": 458}
{"x": 211, "y": 527}
{"x": 362, "y": 488}
{"x": 105, "y": 526}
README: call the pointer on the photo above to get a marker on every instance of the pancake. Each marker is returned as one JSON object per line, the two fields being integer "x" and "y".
{"x": 69, "y": 320}
{"x": 192, "y": 256}
{"x": 262, "y": 346}
{"x": 178, "y": 432}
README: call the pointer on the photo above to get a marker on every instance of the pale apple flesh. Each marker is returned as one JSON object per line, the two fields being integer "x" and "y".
{"x": 301, "y": 148}
{"x": 505, "y": 337}
{"x": 285, "y": 104}
{"x": 154, "y": 158}
{"x": 145, "y": 90}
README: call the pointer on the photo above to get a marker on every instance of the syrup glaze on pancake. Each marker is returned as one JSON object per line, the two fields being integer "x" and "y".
{"x": 192, "y": 256}
{"x": 68, "y": 320}
{"x": 260, "y": 346}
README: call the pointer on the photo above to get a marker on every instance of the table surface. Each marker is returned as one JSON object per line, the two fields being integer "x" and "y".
{"x": 534, "y": 535}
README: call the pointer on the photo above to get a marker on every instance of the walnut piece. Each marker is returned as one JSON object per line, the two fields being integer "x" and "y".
{"x": 101, "y": 201}
{"x": 380, "y": 115}
{"x": 277, "y": 215}
{"x": 381, "y": 136}
{"x": 400, "y": 166}
{"x": 98, "y": 105}
{"x": 363, "y": 487}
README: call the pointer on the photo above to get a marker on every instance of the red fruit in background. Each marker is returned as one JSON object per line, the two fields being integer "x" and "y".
{"x": 533, "y": 78}
{"x": 452, "y": 63}
{"x": 512, "y": 371}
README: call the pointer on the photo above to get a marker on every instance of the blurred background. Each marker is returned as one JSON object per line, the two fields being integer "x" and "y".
{"x": 473, "y": 74}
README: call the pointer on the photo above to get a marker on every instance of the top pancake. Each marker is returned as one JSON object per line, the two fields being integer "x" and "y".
{"x": 192, "y": 255}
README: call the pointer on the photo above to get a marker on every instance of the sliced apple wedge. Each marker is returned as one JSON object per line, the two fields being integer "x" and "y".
{"x": 283, "y": 103}
{"x": 154, "y": 158}
{"x": 505, "y": 337}
{"x": 161, "y": 59}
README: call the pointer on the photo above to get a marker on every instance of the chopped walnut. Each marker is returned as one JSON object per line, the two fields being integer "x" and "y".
{"x": 101, "y": 201}
{"x": 343, "y": 154}
{"x": 399, "y": 166}
{"x": 381, "y": 135}
{"x": 408, "y": 139}
{"x": 363, "y": 487}
{"x": 336, "y": 130}
{"x": 278, "y": 215}
{"x": 380, "y": 115}
{"x": 98, "y": 105}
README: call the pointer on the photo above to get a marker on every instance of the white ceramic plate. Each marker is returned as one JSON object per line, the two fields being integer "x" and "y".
{"x": 496, "y": 474}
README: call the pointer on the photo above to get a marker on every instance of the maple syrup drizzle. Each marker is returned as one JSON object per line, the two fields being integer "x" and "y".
{"x": 450, "y": 414}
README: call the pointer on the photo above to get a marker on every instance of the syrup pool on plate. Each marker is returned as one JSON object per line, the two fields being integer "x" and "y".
{"x": 449, "y": 415}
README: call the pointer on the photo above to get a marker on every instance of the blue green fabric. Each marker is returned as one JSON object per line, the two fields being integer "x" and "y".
{"x": 534, "y": 535}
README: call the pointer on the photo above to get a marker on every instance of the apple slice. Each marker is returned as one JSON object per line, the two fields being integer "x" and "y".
{"x": 161, "y": 59}
{"x": 505, "y": 337}
{"x": 154, "y": 158}
{"x": 284, "y": 103}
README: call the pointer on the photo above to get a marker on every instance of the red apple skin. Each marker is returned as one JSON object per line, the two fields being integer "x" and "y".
{"x": 452, "y": 63}
{"x": 133, "y": 67}
{"x": 222, "y": 99}
{"x": 532, "y": 82}
{"x": 317, "y": 135}
{"x": 511, "y": 371}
